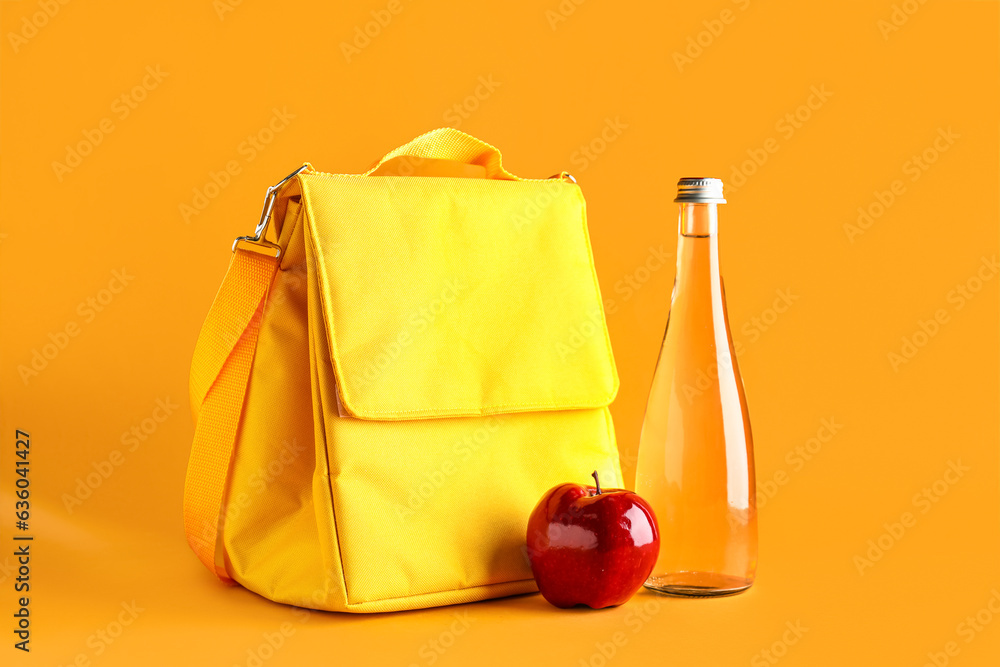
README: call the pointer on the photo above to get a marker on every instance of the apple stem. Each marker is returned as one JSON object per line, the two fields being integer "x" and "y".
{"x": 596, "y": 481}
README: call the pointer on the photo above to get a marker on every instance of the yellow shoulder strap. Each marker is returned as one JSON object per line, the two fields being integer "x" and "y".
{"x": 220, "y": 371}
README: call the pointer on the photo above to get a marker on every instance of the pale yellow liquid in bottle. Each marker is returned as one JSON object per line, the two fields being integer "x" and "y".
{"x": 695, "y": 462}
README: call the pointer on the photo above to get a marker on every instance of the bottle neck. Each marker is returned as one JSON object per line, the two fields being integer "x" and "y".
{"x": 698, "y": 245}
{"x": 699, "y": 220}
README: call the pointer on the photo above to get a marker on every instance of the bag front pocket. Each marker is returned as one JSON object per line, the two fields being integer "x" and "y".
{"x": 435, "y": 505}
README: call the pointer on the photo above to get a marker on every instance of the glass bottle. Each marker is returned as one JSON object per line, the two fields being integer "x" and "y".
{"x": 695, "y": 462}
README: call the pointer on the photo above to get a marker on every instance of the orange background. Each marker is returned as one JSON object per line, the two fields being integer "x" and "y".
{"x": 554, "y": 86}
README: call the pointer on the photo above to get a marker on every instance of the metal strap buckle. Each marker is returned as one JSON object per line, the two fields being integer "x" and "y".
{"x": 563, "y": 175}
{"x": 265, "y": 216}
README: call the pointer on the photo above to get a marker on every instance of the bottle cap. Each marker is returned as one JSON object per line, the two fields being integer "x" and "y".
{"x": 700, "y": 191}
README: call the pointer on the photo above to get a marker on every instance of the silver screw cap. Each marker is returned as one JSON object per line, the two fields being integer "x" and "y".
{"x": 700, "y": 191}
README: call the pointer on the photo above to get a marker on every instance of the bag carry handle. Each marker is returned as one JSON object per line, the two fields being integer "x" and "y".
{"x": 447, "y": 143}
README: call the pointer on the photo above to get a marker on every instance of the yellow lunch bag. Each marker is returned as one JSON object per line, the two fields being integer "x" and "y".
{"x": 397, "y": 366}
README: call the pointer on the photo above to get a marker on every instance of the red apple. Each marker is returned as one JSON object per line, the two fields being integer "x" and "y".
{"x": 591, "y": 546}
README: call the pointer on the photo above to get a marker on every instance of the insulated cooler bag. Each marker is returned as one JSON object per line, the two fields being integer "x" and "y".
{"x": 397, "y": 366}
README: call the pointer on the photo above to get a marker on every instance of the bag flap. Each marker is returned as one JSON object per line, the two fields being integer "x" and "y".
{"x": 458, "y": 296}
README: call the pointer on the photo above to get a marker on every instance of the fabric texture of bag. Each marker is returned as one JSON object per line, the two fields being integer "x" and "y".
{"x": 379, "y": 407}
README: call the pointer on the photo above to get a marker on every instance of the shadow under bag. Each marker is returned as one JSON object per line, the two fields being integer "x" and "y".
{"x": 390, "y": 379}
